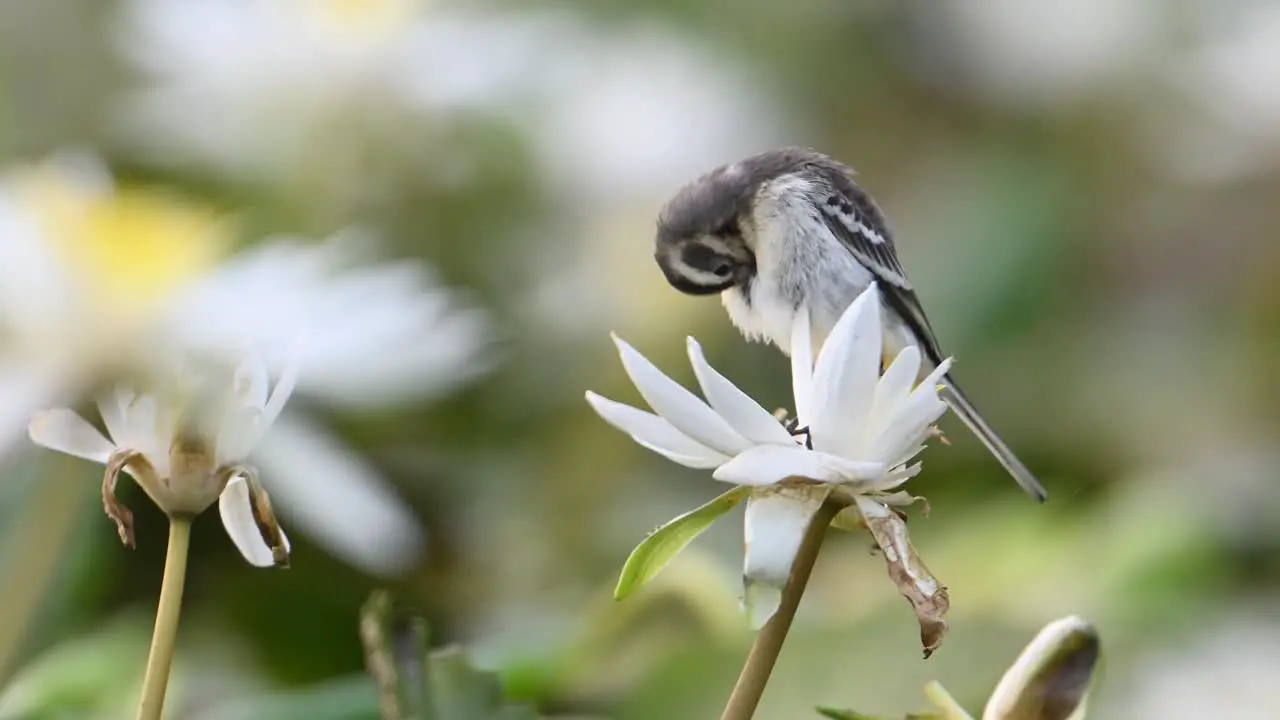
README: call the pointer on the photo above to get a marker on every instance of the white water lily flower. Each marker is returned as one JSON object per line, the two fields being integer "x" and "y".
{"x": 860, "y": 430}
{"x": 97, "y": 280}
{"x": 186, "y": 446}
{"x": 1227, "y": 99}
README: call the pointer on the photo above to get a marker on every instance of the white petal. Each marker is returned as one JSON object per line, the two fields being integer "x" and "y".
{"x": 845, "y": 376}
{"x": 802, "y": 366}
{"x": 908, "y": 428}
{"x": 774, "y": 527}
{"x": 36, "y": 284}
{"x": 656, "y": 433}
{"x": 891, "y": 394}
{"x": 770, "y": 464}
{"x": 237, "y": 517}
{"x": 111, "y": 407}
{"x": 744, "y": 414}
{"x": 63, "y": 430}
{"x": 242, "y": 442}
{"x": 25, "y": 388}
{"x": 140, "y": 416}
{"x": 165, "y": 417}
{"x": 680, "y": 407}
{"x": 279, "y": 396}
{"x": 907, "y": 435}
{"x": 931, "y": 381}
{"x": 365, "y": 335}
{"x": 238, "y": 432}
{"x": 251, "y": 382}
{"x": 901, "y": 448}
{"x": 338, "y": 500}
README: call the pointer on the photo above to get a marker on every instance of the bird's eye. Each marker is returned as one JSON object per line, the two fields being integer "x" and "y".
{"x": 722, "y": 269}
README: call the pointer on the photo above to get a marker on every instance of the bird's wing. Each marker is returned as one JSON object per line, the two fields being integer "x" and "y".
{"x": 854, "y": 219}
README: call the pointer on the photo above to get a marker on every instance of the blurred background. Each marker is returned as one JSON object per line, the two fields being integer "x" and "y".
{"x": 1084, "y": 192}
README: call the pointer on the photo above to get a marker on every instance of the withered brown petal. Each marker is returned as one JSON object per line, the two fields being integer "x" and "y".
{"x": 119, "y": 514}
{"x": 266, "y": 518}
{"x": 927, "y": 596}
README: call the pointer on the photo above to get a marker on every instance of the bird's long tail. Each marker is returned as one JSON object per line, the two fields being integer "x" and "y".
{"x": 956, "y": 400}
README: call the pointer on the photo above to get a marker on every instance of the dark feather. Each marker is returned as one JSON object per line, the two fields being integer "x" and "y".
{"x": 853, "y": 217}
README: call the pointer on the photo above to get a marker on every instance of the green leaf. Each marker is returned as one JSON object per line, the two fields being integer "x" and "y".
{"x": 947, "y": 705}
{"x": 835, "y": 714}
{"x": 663, "y": 544}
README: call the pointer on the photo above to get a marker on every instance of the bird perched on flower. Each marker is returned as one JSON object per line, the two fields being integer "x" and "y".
{"x": 791, "y": 229}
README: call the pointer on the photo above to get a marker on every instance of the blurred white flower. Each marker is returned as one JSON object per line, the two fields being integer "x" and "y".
{"x": 287, "y": 78}
{"x": 1034, "y": 54}
{"x": 629, "y": 115}
{"x": 96, "y": 281}
{"x": 1227, "y": 670}
{"x": 272, "y": 72}
{"x": 1231, "y": 80}
{"x": 87, "y": 274}
{"x": 186, "y": 445}
{"x": 860, "y": 432}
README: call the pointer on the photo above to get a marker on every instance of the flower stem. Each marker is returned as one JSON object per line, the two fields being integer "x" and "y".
{"x": 764, "y": 651}
{"x": 162, "y": 641}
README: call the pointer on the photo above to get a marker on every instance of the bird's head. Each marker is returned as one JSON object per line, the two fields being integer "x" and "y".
{"x": 705, "y": 242}
{"x": 700, "y": 243}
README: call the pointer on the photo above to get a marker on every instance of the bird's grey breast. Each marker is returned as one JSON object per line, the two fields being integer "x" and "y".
{"x": 800, "y": 263}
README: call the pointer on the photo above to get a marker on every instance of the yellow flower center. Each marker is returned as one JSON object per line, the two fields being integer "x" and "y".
{"x": 130, "y": 249}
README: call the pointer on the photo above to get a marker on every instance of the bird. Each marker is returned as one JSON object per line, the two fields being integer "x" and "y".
{"x": 791, "y": 229}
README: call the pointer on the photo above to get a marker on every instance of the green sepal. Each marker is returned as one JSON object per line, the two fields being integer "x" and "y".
{"x": 662, "y": 545}
{"x": 835, "y": 714}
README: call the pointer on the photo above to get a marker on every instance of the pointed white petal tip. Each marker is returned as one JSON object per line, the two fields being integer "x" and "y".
{"x": 933, "y": 381}
{"x": 845, "y": 377}
{"x": 744, "y": 415}
{"x": 655, "y": 433}
{"x": 686, "y": 411}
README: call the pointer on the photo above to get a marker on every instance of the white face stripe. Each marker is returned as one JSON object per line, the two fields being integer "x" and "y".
{"x": 733, "y": 252}
{"x": 723, "y": 247}
{"x": 699, "y": 277}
